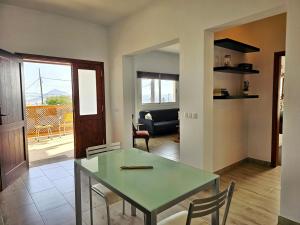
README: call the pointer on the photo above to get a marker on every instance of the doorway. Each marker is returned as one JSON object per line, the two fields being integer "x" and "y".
{"x": 78, "y": 93}
{"x": 84, "y": 92}
{"x": 278, "y": 108}
{"x": 154, "y": 80}
{"x": 49, "y": 111}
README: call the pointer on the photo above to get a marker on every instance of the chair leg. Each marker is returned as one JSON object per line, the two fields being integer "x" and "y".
{"x": 59, "y": 131}
{"x": 108, "y": 213}
{"x": 123, "y": 207}
{"x": 147, "y": 143}
{"x": 91, "y": 200}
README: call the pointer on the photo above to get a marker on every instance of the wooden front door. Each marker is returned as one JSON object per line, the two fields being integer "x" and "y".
{"x": 89, "y": 106}
{"x": 13, "y": 144}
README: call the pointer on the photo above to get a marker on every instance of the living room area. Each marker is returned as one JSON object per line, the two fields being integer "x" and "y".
{"x": 155, "y": 95}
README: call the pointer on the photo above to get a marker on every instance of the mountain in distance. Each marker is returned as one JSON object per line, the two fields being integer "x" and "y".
{"x": 56, "y": 92}
{"x": 35, "y": 98}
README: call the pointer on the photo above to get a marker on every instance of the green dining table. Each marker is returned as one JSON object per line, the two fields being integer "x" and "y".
{"x": 149, "y": 190}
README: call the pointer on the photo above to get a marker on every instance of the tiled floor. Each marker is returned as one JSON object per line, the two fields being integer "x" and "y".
{"x": 45, "y": 196}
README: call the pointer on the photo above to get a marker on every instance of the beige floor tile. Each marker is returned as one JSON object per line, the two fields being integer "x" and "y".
{"x": 48, "y": 199}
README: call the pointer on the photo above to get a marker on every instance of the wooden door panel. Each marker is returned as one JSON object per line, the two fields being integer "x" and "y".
{"x": 89, "y": 129}
{"x": 12, "y": 154}
{"x": 13, "y": 145}
{"x": 89, "y": 133}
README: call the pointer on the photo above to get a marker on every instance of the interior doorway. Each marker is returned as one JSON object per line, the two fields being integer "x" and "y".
{"x": 49, "y": 111}
{"x": 154, "y": 77}
{"x": 278, "y": 108}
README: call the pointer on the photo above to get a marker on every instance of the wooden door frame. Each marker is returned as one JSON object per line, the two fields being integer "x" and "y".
{"x": 275, "y": 119}
{"x": 71, "y": 62}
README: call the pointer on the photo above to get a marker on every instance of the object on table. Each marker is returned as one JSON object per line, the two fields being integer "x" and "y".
{"x": 136, "y": 167}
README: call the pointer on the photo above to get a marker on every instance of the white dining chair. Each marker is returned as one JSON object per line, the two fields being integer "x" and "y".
{"x": 109, "y": 196}
{"x": 202, "y": 207}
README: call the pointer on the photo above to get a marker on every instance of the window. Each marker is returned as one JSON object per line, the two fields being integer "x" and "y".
{"x": 167, "y": 91}
{"x": 150, "y": 91}
{"x": 158, "y": 91}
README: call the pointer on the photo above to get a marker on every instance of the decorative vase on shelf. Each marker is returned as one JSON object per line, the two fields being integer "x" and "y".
{"x": 227, "y": 60}
{"x": 246, "y": 87}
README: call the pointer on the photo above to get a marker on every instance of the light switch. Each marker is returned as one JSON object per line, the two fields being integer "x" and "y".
{"x": 195, "y": 115}
{"x": 186, "y": 115}
{"x": 190, "y": 115}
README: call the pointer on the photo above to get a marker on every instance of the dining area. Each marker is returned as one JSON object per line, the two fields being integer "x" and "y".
{"x": 150, "y": 185}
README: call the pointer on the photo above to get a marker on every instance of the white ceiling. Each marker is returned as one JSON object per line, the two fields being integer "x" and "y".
{"x": 171, "y": 48}
{"x": 98, "y": 11}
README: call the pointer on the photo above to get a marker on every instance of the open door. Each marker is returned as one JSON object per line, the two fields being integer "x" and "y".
{"x": 89, "y": 106}
{"x": 13, "y": 145}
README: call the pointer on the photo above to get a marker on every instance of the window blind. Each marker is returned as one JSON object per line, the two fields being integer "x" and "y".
{"x": 161, "y": 76}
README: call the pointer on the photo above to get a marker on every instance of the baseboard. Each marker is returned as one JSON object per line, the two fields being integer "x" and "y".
{"x": 249, "y": 160}
{"x": 230, "y": 167}
{"x": 258, "y": 162}
{"x": 285, "y": 221}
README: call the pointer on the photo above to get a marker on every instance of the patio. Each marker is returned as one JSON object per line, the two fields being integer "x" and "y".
{"x": 54, "y": 148}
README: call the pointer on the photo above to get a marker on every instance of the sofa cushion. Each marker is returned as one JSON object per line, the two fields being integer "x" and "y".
{"x": 166, "y": 123}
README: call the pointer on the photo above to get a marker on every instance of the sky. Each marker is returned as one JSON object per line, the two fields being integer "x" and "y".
{"x": 53, "y": 77}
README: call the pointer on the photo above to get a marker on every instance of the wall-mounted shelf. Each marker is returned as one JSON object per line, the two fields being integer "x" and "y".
{"x": 236, "y": 97}
{"x": 236, "y": 45}
{"x": 230, "y": 69}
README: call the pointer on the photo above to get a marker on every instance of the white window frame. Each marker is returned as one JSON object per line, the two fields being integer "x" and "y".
{"x": 152, "y": 93}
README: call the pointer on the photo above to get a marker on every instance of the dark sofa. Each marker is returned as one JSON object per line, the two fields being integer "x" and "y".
{"x": 164, "y": 121}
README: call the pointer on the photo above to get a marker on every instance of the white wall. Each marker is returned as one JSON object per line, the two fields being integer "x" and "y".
{"x": 250, "y": 120}
{"x": 168, "y": 20}
{"x": 30, "y": 31}
{"x": 290, "y": 182}
{"x": 159, "y": 62}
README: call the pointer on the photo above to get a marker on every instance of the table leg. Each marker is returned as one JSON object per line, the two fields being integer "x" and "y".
{"x": 77, "y": 195}
{"x": 133, "y": 211}
{"x": 215, "y": 216}
{"x": 150, "y": 219}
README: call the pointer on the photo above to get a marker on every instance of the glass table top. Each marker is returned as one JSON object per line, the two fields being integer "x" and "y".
{"x": 150, "y": 188}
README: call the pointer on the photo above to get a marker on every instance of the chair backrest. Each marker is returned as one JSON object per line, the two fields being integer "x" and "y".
{"x": 206, "y": 206}
{"x": 114, "y": 146}
{"x": 90, "y": 151}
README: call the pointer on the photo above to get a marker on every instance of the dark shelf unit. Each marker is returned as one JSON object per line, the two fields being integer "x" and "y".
{"x": 236, "y": 97}
{"x": 230, "y": 69}
{"x": 236, "y": 45}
